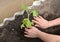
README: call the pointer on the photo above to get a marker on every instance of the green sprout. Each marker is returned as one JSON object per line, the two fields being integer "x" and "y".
{"x": 26, "y": 22}
{"x": 35, "y": 13}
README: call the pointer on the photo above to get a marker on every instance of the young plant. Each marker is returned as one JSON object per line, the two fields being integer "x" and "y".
{"x": 26, "y": 22}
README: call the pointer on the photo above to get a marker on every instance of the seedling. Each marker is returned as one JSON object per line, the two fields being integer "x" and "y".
{"x": 26, "y": 22}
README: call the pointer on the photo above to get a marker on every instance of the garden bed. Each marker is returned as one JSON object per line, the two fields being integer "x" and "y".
{"x": 11, "y": 31}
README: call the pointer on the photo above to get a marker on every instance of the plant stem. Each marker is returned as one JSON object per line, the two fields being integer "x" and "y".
{"x": 28, "y": 14}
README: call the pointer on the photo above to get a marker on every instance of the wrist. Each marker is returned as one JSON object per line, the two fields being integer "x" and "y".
{"x": 55, "y": 22}
{"x": 48, "y": 24}
{"x": 38, "y": 34}
{"x": 52, "y": 23}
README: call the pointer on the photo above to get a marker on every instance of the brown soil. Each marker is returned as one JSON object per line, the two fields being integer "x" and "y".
{"x": 11, "y": 31}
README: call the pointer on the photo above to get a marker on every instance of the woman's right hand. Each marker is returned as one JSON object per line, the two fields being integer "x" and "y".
{"x": 41, "y": 22}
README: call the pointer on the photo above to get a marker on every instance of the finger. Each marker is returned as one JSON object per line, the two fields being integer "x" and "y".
{"x": 26, "y": 29}
{"x": 26, "y": 35}
{"x": 37, "y": 25}
{"x": 35, "y": 22}
{"x": 37, "y": 19}
{"x": 31, "y": 27}
{"x": 26, "y": 32}
{"x": 41, "y": 17}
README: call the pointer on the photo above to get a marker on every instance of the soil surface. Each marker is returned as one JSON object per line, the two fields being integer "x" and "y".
{"x": 11, "y": 32}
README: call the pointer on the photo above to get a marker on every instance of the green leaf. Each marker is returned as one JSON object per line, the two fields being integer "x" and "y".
{"x": 27, "y": 22}
{"x": 35, "y": 13}
{"x": 22, "y": 26}
{"x": 32, "y": 23}
{"x": 24, "y": 7}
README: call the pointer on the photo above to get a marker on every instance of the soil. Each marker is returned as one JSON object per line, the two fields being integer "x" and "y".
{"x": 11, "y": 32}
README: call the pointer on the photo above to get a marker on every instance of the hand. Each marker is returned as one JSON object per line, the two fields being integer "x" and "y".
{"x": 35, "y": 33}
{"x": 41, "y": 22}
{"x": 32, "y": 32}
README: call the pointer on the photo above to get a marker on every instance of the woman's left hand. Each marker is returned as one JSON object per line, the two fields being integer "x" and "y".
{"x": 32, "y": 32}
